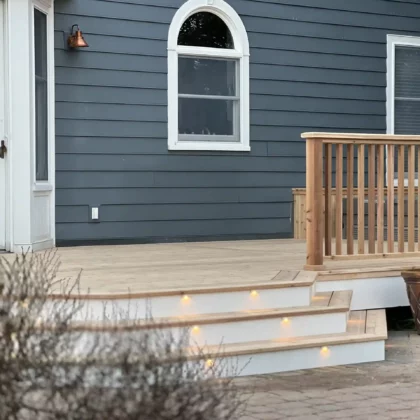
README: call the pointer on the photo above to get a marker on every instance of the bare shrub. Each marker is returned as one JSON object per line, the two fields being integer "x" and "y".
{"x": 51, "y": 367}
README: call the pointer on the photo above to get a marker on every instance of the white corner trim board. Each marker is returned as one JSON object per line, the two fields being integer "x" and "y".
{"x": 239, "y": 52}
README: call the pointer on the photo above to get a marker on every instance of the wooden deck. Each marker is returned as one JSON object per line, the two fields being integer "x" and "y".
{"x": 159, "y": 267}
{"x": 180, "y": 266}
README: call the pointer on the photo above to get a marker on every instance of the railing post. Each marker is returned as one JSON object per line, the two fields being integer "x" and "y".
{"x": 314, "y": 205}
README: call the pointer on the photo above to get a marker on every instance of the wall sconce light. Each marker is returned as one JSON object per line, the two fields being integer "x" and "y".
{"x": 75, "y": 39}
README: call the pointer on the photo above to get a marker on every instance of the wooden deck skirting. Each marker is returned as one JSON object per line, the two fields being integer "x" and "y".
{"x": 321, "y": 149}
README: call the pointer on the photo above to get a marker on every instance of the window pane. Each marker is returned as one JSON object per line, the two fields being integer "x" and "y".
{"x": 407, "y": 121}
{"x": 407, "y": 117}
{"x": 205, "y": 29}
{"x": 407, "y": 72}
{"x": 41, "y": 97}
{"x": 202, "y": 76}
{"x": 40, "y": 44}
{"x": 206, "y": 116}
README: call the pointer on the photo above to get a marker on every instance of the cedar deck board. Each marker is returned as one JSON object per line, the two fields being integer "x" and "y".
{"x": 208, "y": 266}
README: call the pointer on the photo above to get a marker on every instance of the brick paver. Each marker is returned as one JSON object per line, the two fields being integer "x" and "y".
{"x": 386, "y": 390}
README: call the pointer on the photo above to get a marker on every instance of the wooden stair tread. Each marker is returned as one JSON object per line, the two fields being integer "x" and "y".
{"x": 377, "y": 331}
{"x": 357, "y": 322}
{"x": 321, "y": 299}
{"x": 376, "y": 322}
{"x": 295, "y": 278}
{"x": 338, "y": 299}
{"x": 341, "y": 298}
{"x": 322, "y": 303}
{"x": 285, "y": 275}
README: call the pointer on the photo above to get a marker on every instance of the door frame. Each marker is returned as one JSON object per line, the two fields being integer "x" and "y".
{"x": 5, "y": 87}
{"x": 30, "y": 205}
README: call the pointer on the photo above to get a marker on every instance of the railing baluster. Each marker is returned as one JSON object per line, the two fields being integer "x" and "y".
{"x": 328, "y": 199}
{"x": 350, "y": 202}
{"x": 361, "y": 198}
{"x": 339, "y": 199}
{"x": 390, "y": 193}
{"x": 380, "y": 209}
{"x": 401, "y": 174}
{"x": 371, "y": 198}
{"x": 411, "y": 194}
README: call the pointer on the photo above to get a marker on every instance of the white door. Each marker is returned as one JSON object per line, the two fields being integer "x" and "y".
{"x": 3, "y": 154}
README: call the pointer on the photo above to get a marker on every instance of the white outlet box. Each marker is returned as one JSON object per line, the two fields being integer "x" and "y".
{"x": 95, "y": 213}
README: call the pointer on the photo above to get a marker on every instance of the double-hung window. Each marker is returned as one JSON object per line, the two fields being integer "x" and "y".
{"x": 208, "y": 79}
{"x": 208, "y": 100}
{"x": 403, "y": 88}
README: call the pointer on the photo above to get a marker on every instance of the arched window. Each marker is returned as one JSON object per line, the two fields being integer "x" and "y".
{"x": 208, "y": 78}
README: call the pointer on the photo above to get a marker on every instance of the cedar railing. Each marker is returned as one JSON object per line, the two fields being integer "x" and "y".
{"x": 367, "y": 166}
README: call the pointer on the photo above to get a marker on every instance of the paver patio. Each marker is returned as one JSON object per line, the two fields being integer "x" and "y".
{"x": 386, "y": 390}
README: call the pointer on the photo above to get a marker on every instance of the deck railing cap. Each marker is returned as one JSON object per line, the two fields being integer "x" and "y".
{"x": 359, "y": 136}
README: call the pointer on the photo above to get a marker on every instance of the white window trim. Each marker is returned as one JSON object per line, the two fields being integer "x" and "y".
{"x": 46, "y": 7}
{"x": 392, "y": 42}
{"x": 241, "y": 52}
{"x": 44, "y": 188}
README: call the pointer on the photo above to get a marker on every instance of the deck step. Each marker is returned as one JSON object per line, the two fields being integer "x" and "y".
{"x": 321, "y": 303}
{"x": 363, "y": 342}
{"x": 287, "y": 289}
{"x": 327, "y": 314}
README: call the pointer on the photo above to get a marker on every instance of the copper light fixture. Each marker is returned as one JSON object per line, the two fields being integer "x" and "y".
{"x": 76, "y": 40}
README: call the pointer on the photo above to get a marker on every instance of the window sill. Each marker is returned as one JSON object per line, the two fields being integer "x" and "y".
{"x": 210, "y": 146}
{"x": 42, "y": 187}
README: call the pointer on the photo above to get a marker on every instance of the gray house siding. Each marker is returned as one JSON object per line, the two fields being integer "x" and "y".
{"x": 319, "y": 68}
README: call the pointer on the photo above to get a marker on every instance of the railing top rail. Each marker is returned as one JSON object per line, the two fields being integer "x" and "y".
{"x": 362, "y": 138}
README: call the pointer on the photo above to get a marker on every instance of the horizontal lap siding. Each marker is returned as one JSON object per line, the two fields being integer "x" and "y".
{"x": 312, "y": 68}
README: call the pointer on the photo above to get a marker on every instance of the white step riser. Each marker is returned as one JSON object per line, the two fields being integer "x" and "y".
{"x": 290, "y": 360}
{"x": 207, "y": 303}
{"x": 255, "y": 330}
{"x": 298, "y": 359}
{"x": 267, "y": 329}
{"x": 370, "y": 293}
